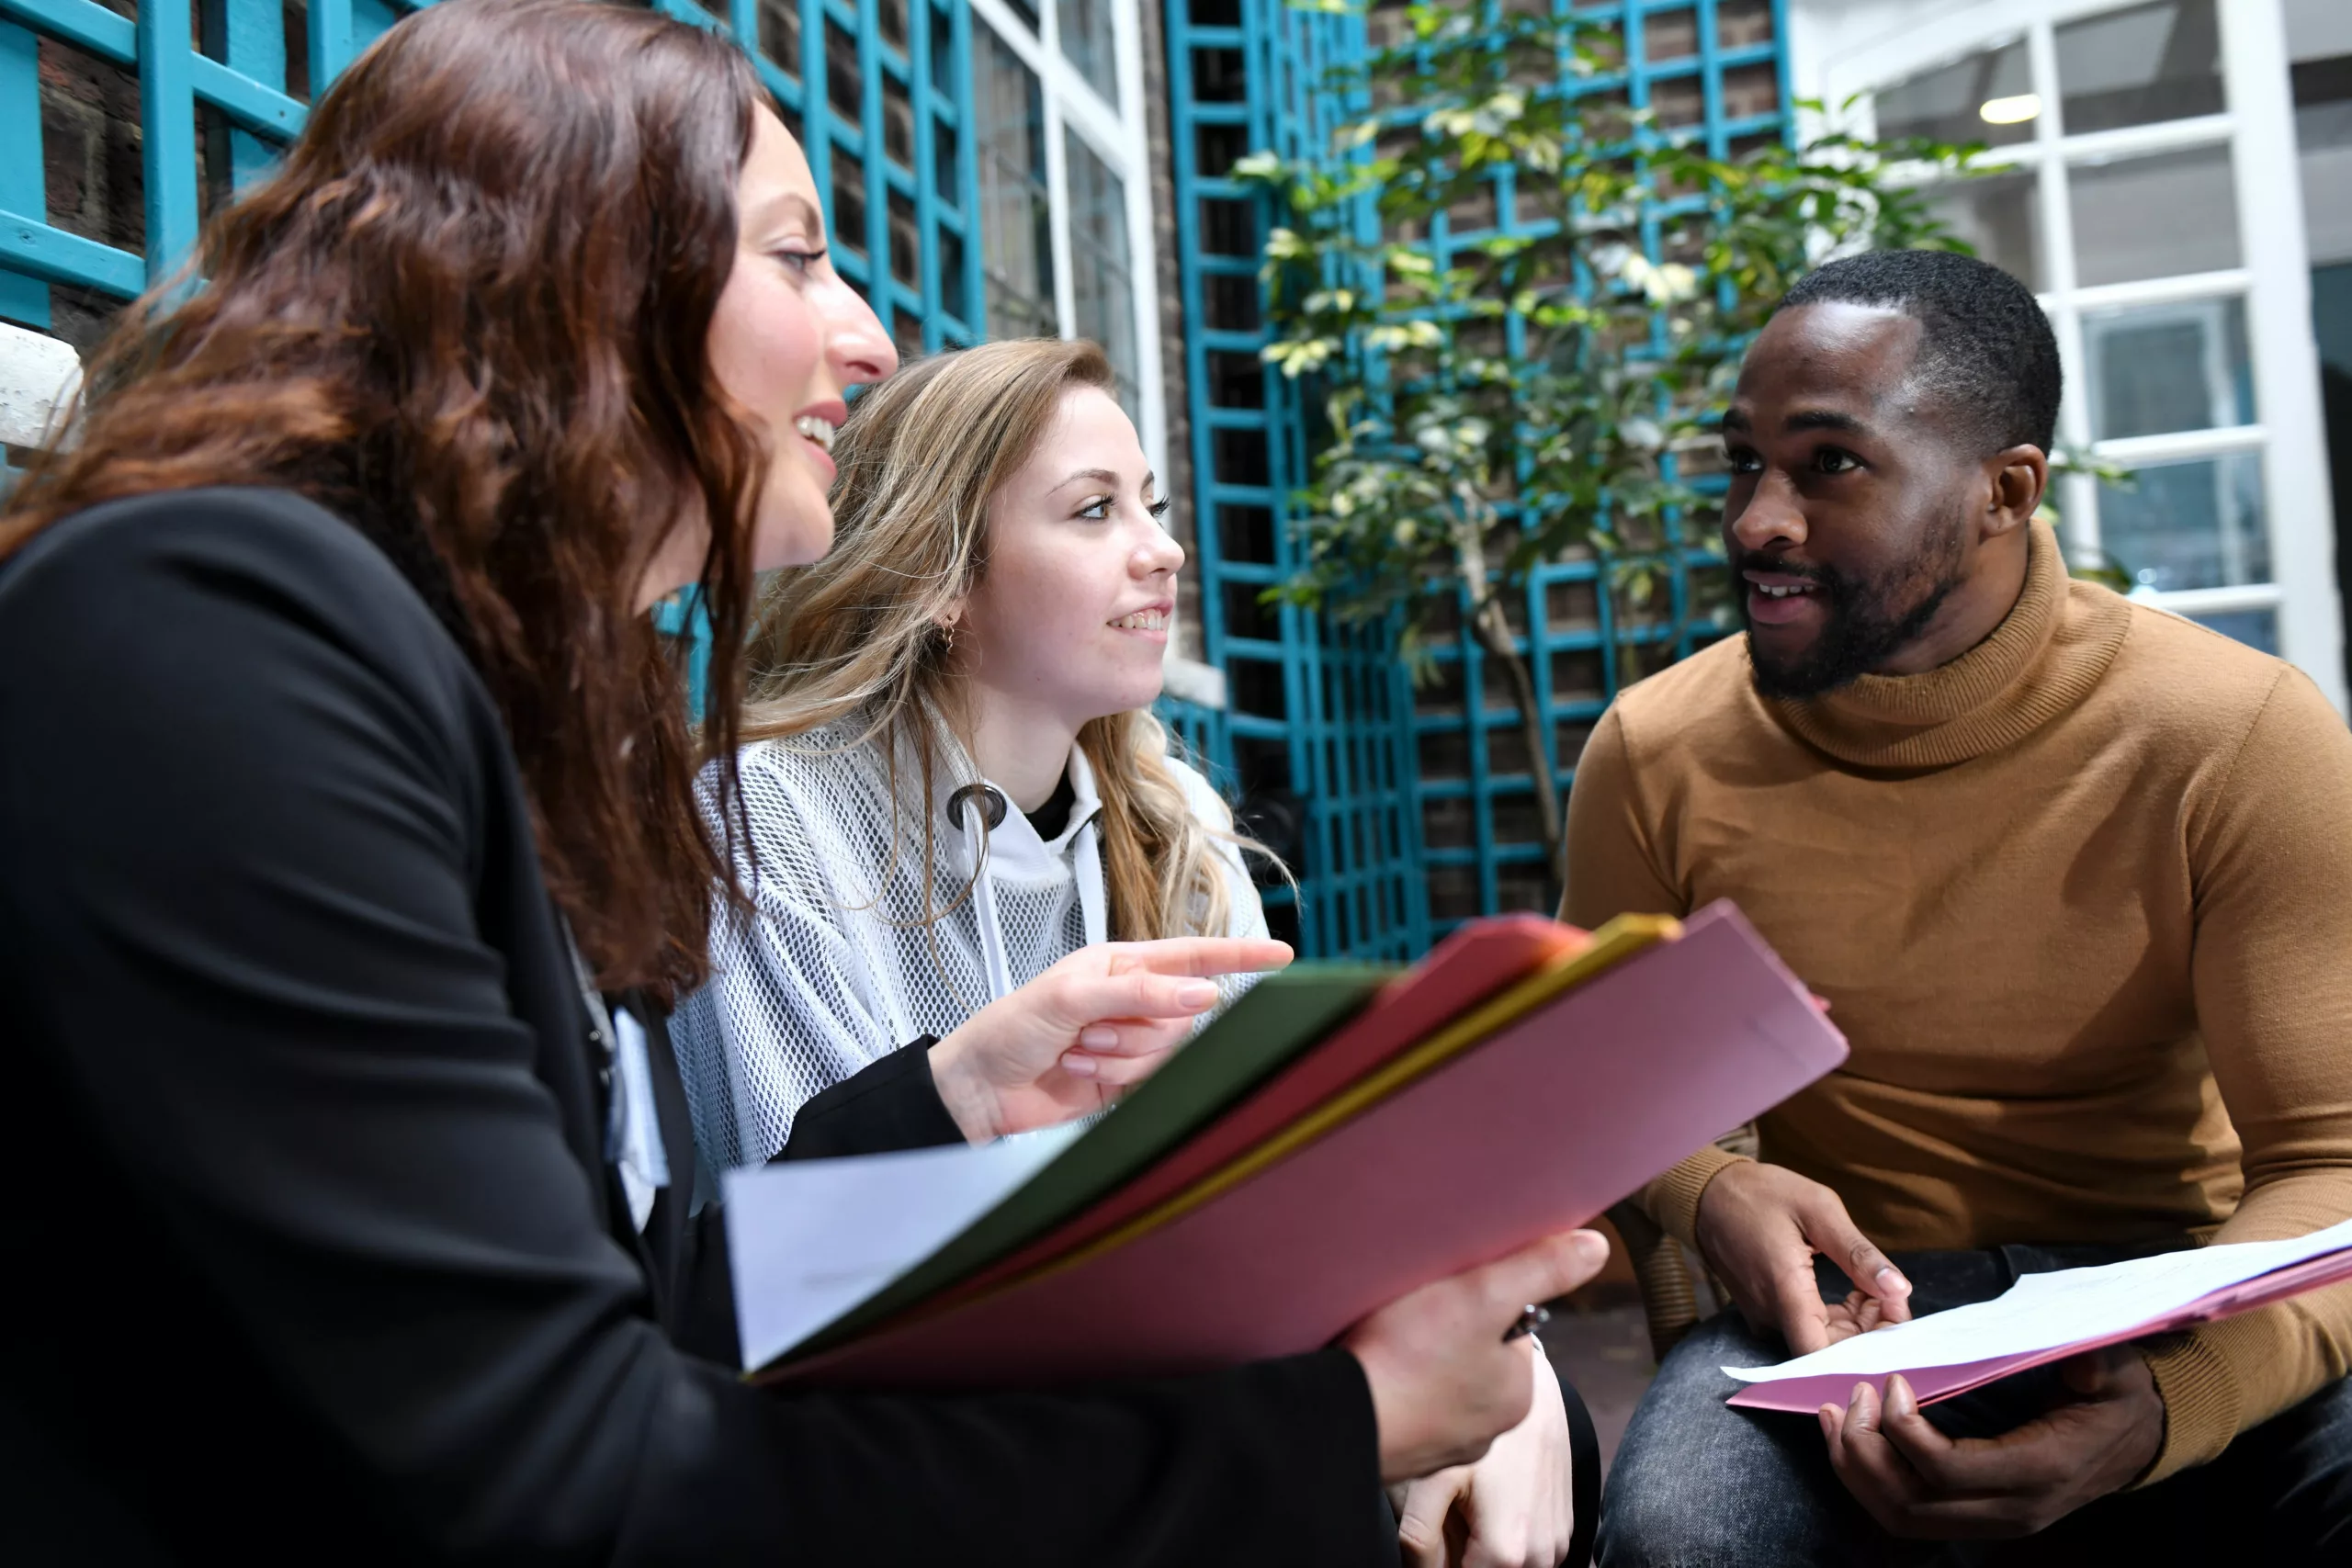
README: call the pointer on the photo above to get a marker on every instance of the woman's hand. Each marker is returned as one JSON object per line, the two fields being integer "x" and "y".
{"x": 1760, "y": 1225}
{"x": 1444, "y": 1382}
{"x": 1081, "y": 1034}
{"x": 1514, "y": 1508}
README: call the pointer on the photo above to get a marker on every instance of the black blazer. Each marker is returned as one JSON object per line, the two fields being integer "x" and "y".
{"x": 314, "y": 1253}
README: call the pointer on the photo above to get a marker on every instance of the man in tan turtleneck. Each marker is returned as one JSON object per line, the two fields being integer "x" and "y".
{"x": 2075, "y": 878}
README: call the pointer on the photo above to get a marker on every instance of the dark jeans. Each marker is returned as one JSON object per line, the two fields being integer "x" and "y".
{"x": 1698, "y": 1483}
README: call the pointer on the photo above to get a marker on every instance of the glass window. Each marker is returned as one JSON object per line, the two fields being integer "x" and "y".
{"x": 2160, "y": 368}
{"x": 1016, "y": 216}
{"x": 2323, "y": 139}
{"x": 2136, "y": 67}
{"x": 2000, "y": 214}
{"x": 1103, "y": 295}
{"x": 2192, "y": 525}
{"x": 2155, "y": 216}
{"x": 1087, "y": 40}
{"x": 1986, "y": 97}
{"x": 2255, "y": 628}
{"x": 779, "y": 24}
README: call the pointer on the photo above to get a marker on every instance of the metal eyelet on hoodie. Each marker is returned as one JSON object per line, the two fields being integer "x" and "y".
{"x": 992, "y": 806}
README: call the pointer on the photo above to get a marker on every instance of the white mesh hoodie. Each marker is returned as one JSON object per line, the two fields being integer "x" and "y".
{"x": 834, "y": 969}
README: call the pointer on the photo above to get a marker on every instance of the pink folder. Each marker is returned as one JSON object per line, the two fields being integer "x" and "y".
{"x": 1535, "y": 1131}
{"x": 1459, "y": 972}
{"x": 1928, "y": 1384}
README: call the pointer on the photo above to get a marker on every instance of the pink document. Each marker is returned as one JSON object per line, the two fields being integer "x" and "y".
{"x": 2331, "y": 1262}
{"x": 1537, "y": 1130}
{"x": 1461, "y": 972}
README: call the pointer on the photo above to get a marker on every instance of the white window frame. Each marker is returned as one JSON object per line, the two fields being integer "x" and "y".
{"x": 1121, "y": 137}
{"x": 2259, "y": 127}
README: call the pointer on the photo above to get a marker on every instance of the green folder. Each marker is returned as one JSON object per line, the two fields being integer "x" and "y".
{"x": 1273, "y": 1023}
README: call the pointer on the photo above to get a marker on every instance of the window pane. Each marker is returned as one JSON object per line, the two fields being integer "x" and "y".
{"x": 779, "y": 22}
{"x": 1999, "y": 215}
{"x": 1986, "y": 97}
{"x": 1086, "y": 40}
{"x": 2160, "y": 368}
{"x": 1017, "y": 224}
{"x": 2136, "y": 67}
{"x": 2154, "y": 217}
{"x": 2193, "y": 525}
{"x": 1102, "y": 296}
{"x": 2324, "y": 138}
{"x": 2255, "y": 628}
{"x": 849, "y": 202}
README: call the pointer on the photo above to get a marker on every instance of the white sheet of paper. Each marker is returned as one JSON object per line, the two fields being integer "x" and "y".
{"x": 810, "y": 1239}
{"x": 2042, "y": 1312}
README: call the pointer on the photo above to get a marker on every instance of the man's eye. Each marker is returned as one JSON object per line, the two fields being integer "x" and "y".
{"x": 1743, "y": 461}
{"x": 1836, "y": 460}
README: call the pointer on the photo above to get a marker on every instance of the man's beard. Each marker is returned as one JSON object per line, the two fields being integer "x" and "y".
{"x": 1863, "y": 628}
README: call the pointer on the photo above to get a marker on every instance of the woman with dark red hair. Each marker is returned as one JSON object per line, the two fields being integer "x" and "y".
{"x": 348, "y": 858}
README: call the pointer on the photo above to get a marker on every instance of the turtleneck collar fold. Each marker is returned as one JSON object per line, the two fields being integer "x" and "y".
{"x": 2043, "y": 659}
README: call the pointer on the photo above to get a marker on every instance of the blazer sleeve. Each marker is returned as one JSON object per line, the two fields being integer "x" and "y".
{"x": 254, "y": 826}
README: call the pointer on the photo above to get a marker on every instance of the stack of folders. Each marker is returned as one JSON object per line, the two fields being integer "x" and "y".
{"x": 1343, "y": 1134}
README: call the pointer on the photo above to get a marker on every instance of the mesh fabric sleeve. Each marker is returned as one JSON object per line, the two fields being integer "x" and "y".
{"x": 796, "y": 1002}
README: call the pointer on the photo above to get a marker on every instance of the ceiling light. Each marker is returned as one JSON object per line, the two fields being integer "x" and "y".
{"x": 2010, "y": 111}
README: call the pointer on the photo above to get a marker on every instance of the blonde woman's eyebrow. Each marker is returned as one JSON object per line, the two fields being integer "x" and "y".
{"x": 1110, "y": 481}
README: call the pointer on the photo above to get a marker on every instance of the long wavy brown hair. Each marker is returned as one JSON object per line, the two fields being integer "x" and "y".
{"x": 469, "y": 313}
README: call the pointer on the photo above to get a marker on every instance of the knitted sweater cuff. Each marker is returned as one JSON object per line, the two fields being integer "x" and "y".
{"x": 2201, "y": 1396}
{"x": 1673, "y": 1198}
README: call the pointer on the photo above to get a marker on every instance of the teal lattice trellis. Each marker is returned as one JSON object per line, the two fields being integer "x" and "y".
{"x": 889, "y": 139}
{"x": 1713, "y": 71}
{"x": 226, "y": 63}
{"x": 1316, "y": 728}
{"x": 1706, "y": 69}
{"x": 886, "y": 124}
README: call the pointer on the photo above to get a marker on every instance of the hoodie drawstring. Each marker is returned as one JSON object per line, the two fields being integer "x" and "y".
{"x": 977, "y": 820}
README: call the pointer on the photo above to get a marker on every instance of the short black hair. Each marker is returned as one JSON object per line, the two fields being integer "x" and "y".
{"x": 1985, "y": 349}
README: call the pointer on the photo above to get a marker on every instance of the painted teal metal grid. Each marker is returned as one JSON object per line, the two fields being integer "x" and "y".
{"x": 889, "y": 139}
{"x": 886, "y": 127}
{"x": 1317, "y": 727}
{"x": 238, "y": 73}
{"x": 1469, "y": 844}
{"x": 1713, "y": 71}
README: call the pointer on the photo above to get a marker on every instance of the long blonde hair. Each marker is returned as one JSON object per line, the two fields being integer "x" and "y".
{"x": 864, "y": 633}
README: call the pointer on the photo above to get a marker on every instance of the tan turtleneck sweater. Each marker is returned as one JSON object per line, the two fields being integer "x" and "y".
{"x": 2081, "y": 901}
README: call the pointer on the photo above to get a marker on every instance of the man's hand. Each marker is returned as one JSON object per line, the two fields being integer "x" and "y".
{"x": 1760, "y": 1225}
{"x": 1920, "y": 1483}
{"x": 1085, "y": 1031}
{"x": 1514, "y": 1508}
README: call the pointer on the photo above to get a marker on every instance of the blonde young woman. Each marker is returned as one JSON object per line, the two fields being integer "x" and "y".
{"x": 952, "y": 779}
{"x": 953, "y": 784}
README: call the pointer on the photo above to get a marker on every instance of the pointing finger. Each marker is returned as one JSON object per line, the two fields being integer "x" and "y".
{"x": 1201, "y": 955}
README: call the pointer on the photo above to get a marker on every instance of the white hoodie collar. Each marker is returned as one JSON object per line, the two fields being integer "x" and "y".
{"x": 1015, "y": 851}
